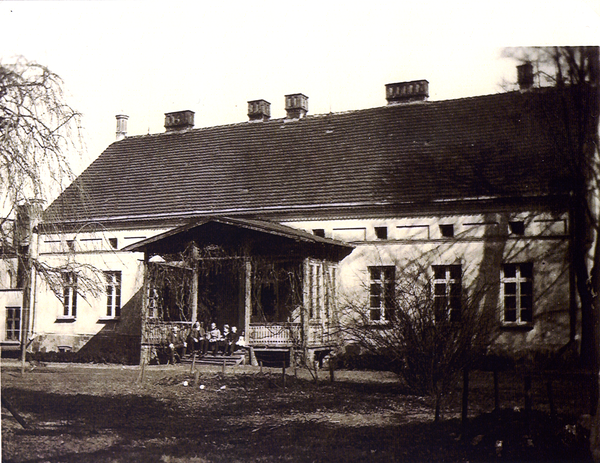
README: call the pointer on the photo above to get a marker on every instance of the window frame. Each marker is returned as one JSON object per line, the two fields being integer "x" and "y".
{"x": 113, "y": 293}
{"x": 381, "y": 233}
{"x": 382, "y": 288}
{"x": 316, "y": 293}
{"x": 447, "y": 230}
{"x": 153, "y": 302}
{"x": 521, "y": 290}
{"x": 13, "y": 334}
{"x": 69, "y": 295}
{"x": 452, "y": 291}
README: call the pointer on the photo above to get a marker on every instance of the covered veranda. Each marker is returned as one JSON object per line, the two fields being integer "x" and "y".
{"x": 276, "y": 284}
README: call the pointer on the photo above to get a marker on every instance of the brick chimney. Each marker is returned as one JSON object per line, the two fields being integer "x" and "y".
{"x": 121, "y": 126}
{"x": 525, "y": 75}
{"x": 296, "y": 105}
{"x": 179, "y": 120}
{"x": 406, "y": 92}
{"x": 259, "y": 110}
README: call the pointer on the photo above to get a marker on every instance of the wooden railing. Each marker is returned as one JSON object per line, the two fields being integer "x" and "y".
{"x": 156, "y": 331}
{"x": 275, "y": 334}
{"x": 289, "y": 334}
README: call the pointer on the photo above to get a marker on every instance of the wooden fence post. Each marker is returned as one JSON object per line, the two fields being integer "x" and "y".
{"x": 496, "y": 391}
{"x": 527, "y": 384}
{"x": 283, "y": 374}
{"x": 465, "y": 398}
{"x": 331, "y": 370}
{"x": 293, "y": 360}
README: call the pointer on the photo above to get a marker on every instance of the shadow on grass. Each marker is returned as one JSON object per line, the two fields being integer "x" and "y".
{"x": 157, "y": 429}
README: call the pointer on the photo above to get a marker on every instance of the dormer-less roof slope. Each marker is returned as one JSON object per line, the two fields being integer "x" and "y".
{"x": 481, "y": 147}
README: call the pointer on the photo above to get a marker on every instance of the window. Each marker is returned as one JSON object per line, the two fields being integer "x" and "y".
{"x": 113, "y": 294}
{"x": 153, "y": 302}
{"x": 517, "y": 228}
{"x": 330, "y": 275}
{"x": 381, "y": 293}
{"x": 517, "y": 288}
{"x": 13, "y": 323}
{"x": 447, "y": 291}
{"x": 114, "y": 243}
{"x": 319, "y": 232}
{"x": 447, "y": 231}
{"x": 69, "y": 294}
{"x": 315, "y": 289}
{"x": 381, "y": 233}
{"x": 71, "y": 245}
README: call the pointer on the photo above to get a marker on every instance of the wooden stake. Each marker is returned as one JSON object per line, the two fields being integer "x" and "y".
{"x": 465, "y": 398}
{"x": 331, "y": 370}
{"x": 224, "y": 362}
{"x": 527, "y": 384}
{"x": 293, "y": 361}
{"x": 550, "y": 398}
{"x": 140, "y": 378}
{"x": 496, "y": 392}
{"x": 193, "y": 362}
{"x": 283, "y": 373}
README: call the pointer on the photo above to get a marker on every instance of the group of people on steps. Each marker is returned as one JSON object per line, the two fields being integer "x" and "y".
{"x": 201, "y": 341}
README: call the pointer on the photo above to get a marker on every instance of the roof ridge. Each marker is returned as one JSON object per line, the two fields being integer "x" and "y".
{"x": 319, "y": 115}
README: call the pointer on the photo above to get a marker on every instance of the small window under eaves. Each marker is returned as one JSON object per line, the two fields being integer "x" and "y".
{"x": 319, "y": 232}
{"x": 381, "y": 233}
{"x": 517, "y": 227}
{"x": 447, "y": 230}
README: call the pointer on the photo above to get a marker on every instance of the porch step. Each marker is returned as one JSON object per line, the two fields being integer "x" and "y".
{"x": 217, "y": 360}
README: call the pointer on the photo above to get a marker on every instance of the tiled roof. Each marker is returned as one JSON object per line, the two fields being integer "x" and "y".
{"x": 487, "y": 146}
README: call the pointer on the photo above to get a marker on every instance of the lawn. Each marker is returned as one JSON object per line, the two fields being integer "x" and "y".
{"x": 80, "y": 413}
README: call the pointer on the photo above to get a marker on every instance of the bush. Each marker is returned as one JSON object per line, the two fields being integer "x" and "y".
{"x": 355, "y": 360}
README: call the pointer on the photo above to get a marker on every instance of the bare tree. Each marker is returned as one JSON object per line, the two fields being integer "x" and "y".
{"x": 575, "y": 73}
{"x": 430, "y": 332}
{"x": 38, "y": 131}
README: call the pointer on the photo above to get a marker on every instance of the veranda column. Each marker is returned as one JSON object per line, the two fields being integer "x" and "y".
{"x": 195, "y": 274}
{"x": 145, "y": 348}
{"x": 306, "y": 300}
{"x": 247, "y": 296}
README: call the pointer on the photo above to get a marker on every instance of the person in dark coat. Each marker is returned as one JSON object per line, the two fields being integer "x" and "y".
{"x": 197, "y": 339}
{"x": 231, "y": 341}
{"x": 176, "y": 343}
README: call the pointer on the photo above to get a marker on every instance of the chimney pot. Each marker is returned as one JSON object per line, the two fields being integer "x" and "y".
{"x": 179, "y": 120}
{"x": 406, "y": 92}
{"x": 296, "y": 105}
{"x": 259, "y": 110}
{"x": 121, "y": 126}
{"x": 525, "y": 75}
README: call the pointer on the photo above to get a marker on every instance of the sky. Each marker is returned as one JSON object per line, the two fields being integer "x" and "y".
{"x": 145, "y": 58}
